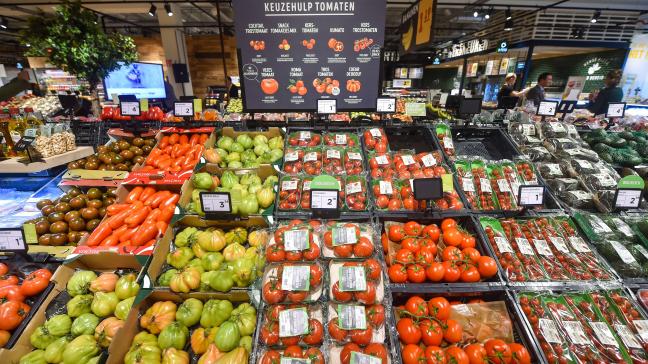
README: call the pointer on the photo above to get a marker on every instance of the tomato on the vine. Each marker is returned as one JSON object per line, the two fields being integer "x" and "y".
{"x": 412, "y": 354}
{"x": 435, "y": 272}
{"x": 439, "y": 307}
{"x": 453, "y": 331}
{"x": 432, "y": 231}
{"x": 376, "y": 314}
{"x": 408, "y": 331}
{"x": 476, "y": 354}
{"x": 397, "y": 273}
{"x": 498, "y": 351}
{"x": 415, "y": 273}
{"x": 447, "y": 224}
{"x": 431, "y": 332}
{"x": 434, "y": 355}
{"x": 519, "y": 354}
{"x": 315, "y": 333}
{"x": 416, "y": 306}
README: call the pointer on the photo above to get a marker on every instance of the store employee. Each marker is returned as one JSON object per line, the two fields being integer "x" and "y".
{"x": 611, "y": 93}
{"x": 537, "y": 93}
{"x": 507, "y": 89}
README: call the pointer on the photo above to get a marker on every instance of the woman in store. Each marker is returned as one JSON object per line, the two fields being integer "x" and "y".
{"x": 507, "y": 89}
{"x": 611, "y": 93}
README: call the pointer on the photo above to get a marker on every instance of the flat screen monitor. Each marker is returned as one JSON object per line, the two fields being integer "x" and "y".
{"x": 144, "y": 80}
{"x": 470, "y": 106}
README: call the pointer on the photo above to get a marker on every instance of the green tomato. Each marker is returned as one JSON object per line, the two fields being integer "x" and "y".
{"x": 104, "y": 304}
{"x": 196, "y": 263}
{"x": 215, "y": 312}
{"x": 184, "y": 237}
{"x": 40, "y": 338}
{"x": 173, "y": 335}
{"x": 245, "y": 141}
{"x": 244, "y": 316}
{"x": 79, "y": 305}
{"x": 202, "y": 180}
{"x": 189, "y": 312}
{"x": 84, "y": 324}
{"x": 123, "y": 308}
{"x": 233, "y": 252}
{"x": 260, "y": 139}
{"x": 79, "y": 283}
{"x": 127, "y": 286}
{"x": 54, "y": 351}
{"x": 144, "y": 354}
{"x": 222, "y": 280}
{"x": 246, "y": 343}
{"x": 180, "y": 257}
{"x": 212, "y": 261}
{"x": 80, "y": 350}
{"x": 243, "y": 271}
{"x": 227, "y": 337}
{"x": 58, "y": 325}
{"x": 35, "y": 357}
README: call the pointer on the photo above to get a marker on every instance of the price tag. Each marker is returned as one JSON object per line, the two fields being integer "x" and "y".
{"x": 216, "y": 202}
{"x": 503, "y": 245}
{"x": 340, "y": 139}
{"x": 547, "y": 108}
{"x": 628, "y": 199}
{"x": 352, "y": 317}
{"x": 359, "y": 358}
{"x": 326, "y": 106}
{"x": 386, "y": 188}
{"x": 627, "y": 336}
{"x": 468, "y": 185}
{"x": 354, "y": 156}
{"x": 12, "y": 240}
{"x": 528, "y": 129}
{"x": 183, "y": 109}
{"x": 576, "y": 333}
{"x": 485, "y": 185}
{"x": 352, "y": 279}
{"x": 304, "y": 135}
{"x": 549, "y": 331}
{"x": 579, "y": 244}
{"x": 289, "y": 185}
{"x": 560, "y": 244}
{"x": 285, "y": 360}
{"x": 542, "y": 247}
{"x": 23, "y": 143}
{"x": 623, "y": 252}
{"x": 447, "y": 143}
{"x": 310, "y": 157}
{"x": 382, "y": 160}
{"x": 386, "y": 105}
{"x": 599, "y": 225}
{"x": 615, "y": 110}
{"x": 531, "y": 195}
{"x": 524, "y": 246}
{"x": 375, "y": 133}
{"x": 291, "y": 157}
{"x": 324, "y": 199}
{"x": 344, "y": 236}
{"x": 130, "y": 108}
{"x": 295, "y": 278}
{"x": 503, "y": 185}
{"x": 623, "y": 227}
{"x": 428, "y": 160}
{"x": 297, "y": 240}
{"x": 603, "y": 333}
{"x": 408, "y": 160}
{"x": 353, "y": 187}
{"x": 332, "y": 154}
{"x": 293, "y": 322}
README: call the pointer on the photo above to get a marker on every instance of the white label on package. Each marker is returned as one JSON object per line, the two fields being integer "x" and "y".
{"x": 408, "y": 160}
{"x": 642, "y": 329}
{"x": 528, "y": 129}
{"x": 310, "y": 157}
{"x": 576, "y": 333}
{"x": 344, "y": 235}
{"x": 295, "y": 278}
{"x": 285, "y": 360}
{"x": 359, "y": 358}
{"x": 560, "y": 244}
{"x": 289, "y": 185}
{"x": 503, "y": 245}
{"x": 382, "y": 160}
{"x": 354, "y": 187}
{"x": 354, "y": 156}
{"x": 291, "y": 157}
{"x": 524, "y": 246}
{"x": 623, "y": 252}
{"x": 584, "y": 164}
{"x": 627, "y": 336}
{"x": 306, "y": 185}
{"x": 340, "y": 139}
{"x": 554, "y": 169}
{"x": 605, "y": 180}
{"x": 332, "y": 154}
{"x": 386, "y": 188}
{"x": 579, "y": 244}
{"x": 603, "y": 333}
{"x": 542, "y": 247}
{"x": 599, "y": 225}
{"x": 549, "y": 331}
{"x": 293, "y": 322}
{"x": 352, "y": 317}
{"x": 352, "y": 279}
{"x": 296, "y": 240}
{"x": 623, "y": 227}
{"x": 428, "y": 160}
{"x": 304, "y": 135}
{"x": 468, "y": 185}
{"x": 571, "y": 129}
{"x": 447, "y": 143}
{"x": 485, "y": 185}
{"x": 503, "y": 185}
{"x": 375, "y": 133}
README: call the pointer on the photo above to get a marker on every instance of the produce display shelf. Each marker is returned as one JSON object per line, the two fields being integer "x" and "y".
{"x": 14, "y": 166}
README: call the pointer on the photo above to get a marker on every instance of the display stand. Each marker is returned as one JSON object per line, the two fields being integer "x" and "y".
{"x": 566, "y": 107}
{"x": 615, "y": 110}
{"x": 547, "y": 108}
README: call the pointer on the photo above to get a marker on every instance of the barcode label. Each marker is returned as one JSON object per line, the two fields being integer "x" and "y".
{"x": 503, "y": 185}
{"x": 354, "y": 156}
{"x": 291, "y": 157}
{"x": 408, "y": 159}
{"x": 542, "y": 247}
{"x": 375, "y": 133}
{"x": 352, "y": 279}
{"x": 428, "y": 160}
{"x": 289, "y": 185}
{"x": 285, "y": 360}
{"x": 353, "y": 187}
{"x": 603, "y": 333}
{"x": 503, "y": 245}
{"x": 382, "y": 160}
{"x": 549, "y": 331}
{"x": 576, "y": 333}
{"x": 359, "y": 358}
{"x": 468, "y": 184}
{"x": 447, "y": 143}
{"x": 296, "y": 240}
{"x": 524, "y": 246}
{"x": 485, "y": 185}
{"x": 627, "y": 336}
{"x": 306, "y": 185}
{"x": 344, "y": 236}
{"x": 340, "y": 139}
{"x": 560, "y": 244}
{"x": 333, "y": 154}
{"x": 386, "y": 188}
{"x": 293, "y": 322}
{"x": 352, "y": 317}
{"x": 579, "y": 244}
{"x": 304, "y": 135}
{"x": 310, "y": 157}
{"x": 623, "y": 252}
{"x": 295, "y": 278}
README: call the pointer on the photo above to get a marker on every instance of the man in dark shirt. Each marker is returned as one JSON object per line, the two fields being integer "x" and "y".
{"x": 611, "y": 93}
{"x": 537, "y": 93}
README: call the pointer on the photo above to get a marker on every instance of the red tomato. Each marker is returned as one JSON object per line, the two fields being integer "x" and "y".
{"x": 453, "y": 331}
{"x": 367, "y": 296}
{"x": 408, "y": 331}
{"x": 435, "y": 272}
{"x": 455, "y": 355}
{"x": 416, "y": 306}
{"x": 431, "y": 333}
{"x": 397, "y": 273}
{"x": 373, "y": 269}
{"x": 498, "y": 351}
{"x": 412, "y": 354}
{"x": 377, "y": 350}
{"x": 361, "y": 337}
{"x": 447, "y": 224}
{"x": 519, "y": 354}
{"x": 415, "y": 273}
{"x": 376, "y": 314}
{"x": 434, "y": 355}
{"x": 439, "y": 307}
{"x": 335, "y": 331}
{"x": 412, "y": 228}
{"x": 341, "y": 296}
{"x": 487, "y": 266}
{"x": 476, "y": 354}
{"x": 293, "y": 351}
{"x": 345, "y": 354}
{"x": 432, "y": 231}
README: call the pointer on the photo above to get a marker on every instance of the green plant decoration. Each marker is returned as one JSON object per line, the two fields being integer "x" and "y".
{"x": 73, "y": 40}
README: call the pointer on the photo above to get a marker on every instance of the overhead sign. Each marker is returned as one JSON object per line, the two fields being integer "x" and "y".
{"x": 294, "y": 52}
{"x": 416, "y": 25}
{"x": 469, "y": 47}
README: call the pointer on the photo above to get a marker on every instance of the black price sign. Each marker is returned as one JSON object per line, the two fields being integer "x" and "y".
{"x": 531, "y": 195}
{"x": 183, "y": 109}
{"x": 24, "y": 143}
{"x": 130, "y": 108}
{"x": 324, "y": 203}
{"x": 216, "y": 202}
{"x": 628, "y": 198}
{"x": 566, "y": 107}
{"x": 12, "y": 240}
{"x": 427, "y": 188}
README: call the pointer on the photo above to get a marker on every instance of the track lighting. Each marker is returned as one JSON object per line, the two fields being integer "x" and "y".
{"x": 488, "y": 13}
{"x": 595, "y": 18}
{"x": 508, "y": 25}
{"x": 152, "y": 10}
{"x": 509, "y": 16}
{"x": 167, "y": 7}
{"x": 3, "y": 23}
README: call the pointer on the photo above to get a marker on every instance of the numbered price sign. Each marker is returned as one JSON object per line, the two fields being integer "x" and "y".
{"x": 183, "y": 109}
{"x": 216, "y": 202}
{"x": 386, "y": 105}
{"x": 130, "y": 108}
{"x": 531, "y": 196}
{"x": 324, "y": 203}
{"x": 547, "y": 108}
{"x": 615, "y": 110}
{"x": 628, "y": 198}
{"x": 326, "y": 106}
{"x": 12, "y": 240}
{"x": 427, "y": 188}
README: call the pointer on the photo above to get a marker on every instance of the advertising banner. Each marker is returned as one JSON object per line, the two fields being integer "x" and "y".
{"x": 293, "y": 53}
{"x": 416, "y": 25}
{"x": 635, "y": 77}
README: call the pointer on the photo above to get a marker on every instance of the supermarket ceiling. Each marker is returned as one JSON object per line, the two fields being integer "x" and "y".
{"x": 454, "y": 19}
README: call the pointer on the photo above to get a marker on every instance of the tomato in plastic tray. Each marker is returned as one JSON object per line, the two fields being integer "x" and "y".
{"x": 332, "y": 160}
{"x": 523, "y": 250}
{"x": 353, "y": 161}
{"x": 340, "y": 139}
{"x": 382, "y": 165}
{"x": 293, "y": 160}
{"x": 501, "y": 186}
{"x": 551, "y": 265}
{"x": 466, "y": 182}
{"x": 356, "y": 323}
{"x": 313, "y": 354}
{"x": 526, "y": 171}
{"x": 292, "y": 283}
{"x": 313, "y": 161}
{"x": 356, "y": 193}
{"x": 289, "y": 193}
{"x": 348, "y": 240}
{"x": 352, "y": 281}
{"x": 507, "y": 257}
{"x": 387, "y": 194}
{"x": 581, "y": 250}
{"x": 293, "y": 243}
{"x": 406, "y": 165}
{"x": 445, "y": 139}
{"x": 304, "y": 138}
{"x": 483, "y": 186}
{"x": 376, "y": 139}
{"x": 286, "y": 325}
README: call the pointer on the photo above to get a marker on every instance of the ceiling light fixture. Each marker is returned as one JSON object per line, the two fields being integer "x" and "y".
{"x": 476, "y": 13}
{"x": 167, "y": 7}
{"x": 508, "y": 25}
{"x": 3, "y": 23}
{"x": 488, "y": 14}
{"x": 595, "y": 18}
{"x": 152, "y": 10}
{"x": 509, "y": 16}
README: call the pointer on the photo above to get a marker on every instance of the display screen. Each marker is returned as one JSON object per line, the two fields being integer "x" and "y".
{"x": 296, "y": 52}
{"x": 144, "y": 80}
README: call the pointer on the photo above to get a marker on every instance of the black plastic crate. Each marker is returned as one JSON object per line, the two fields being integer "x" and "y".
{"x": 488, "y": 143}
{"x": 86, "y": 133}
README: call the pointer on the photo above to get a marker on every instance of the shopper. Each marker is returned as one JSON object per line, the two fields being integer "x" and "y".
{"x": 507, "y": 89}
{"x": 537, "y": 93}
{"x": 611, "y": 93}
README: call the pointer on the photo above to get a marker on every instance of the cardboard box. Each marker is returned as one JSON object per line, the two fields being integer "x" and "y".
{"x": 103, "y": 262}
{"x": 122, "y": 342}
{"x": 163, "y": 247}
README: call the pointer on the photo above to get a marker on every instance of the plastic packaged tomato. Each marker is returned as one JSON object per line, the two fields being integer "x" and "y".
{"x": 312, "y": 161}
{"x": 292, "y": 283}
{"x": 332, "y": 161}
{"x": 376, "y": 139}
{"x": 356, "y": 323}
{"x": 381, "y": 165}
{"x": 356, "y": 193}
{"x": 353, "y": 161}
{"x": 352, "y": 353}
{"x": 503, "y": 250}
{"x": 444, "y": 134}
{"x": 352, "y": 282}
{"x": 523, "y": 250}
{"x": 347, "y": 240}
{"x": 482, "y": 183}
{"x": 431, "y": 163}
{"x": 293, "y": 161}
{"x": 314, "y": 355}
{"x": 293, "y": 243}
{"x": 386, "y": 195}
{"x": 467, "y": 182}
{"x": 341, "y": 139}
{"x": 289, "y": 193}
{"x": 286, "y": 325}
{"x": 506, "y": 199}
{"x": 407, "y": 166}
{"x": 526, "y": 171}
{"x": 304, "y": 138}
{"x": 550, "y": 263}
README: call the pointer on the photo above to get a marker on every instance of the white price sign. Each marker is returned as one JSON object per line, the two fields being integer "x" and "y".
{"x": 547, "y": 108}
{"x": 183, "y": 109}
{"x": 531, "y": 196}
{"x": 215, "y": 202}
{"x": 615, "y": 110}
{"x": 628, "y": 199}
{"x": 130, "y": 108}
{"x": 386, "y": 105}
{"x": 324, "y": 199}
{"x": 326, "y": 106}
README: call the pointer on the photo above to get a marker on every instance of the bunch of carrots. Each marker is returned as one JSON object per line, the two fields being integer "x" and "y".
{"x": 176, "y": 153}
{"x": 139, "y": 221}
